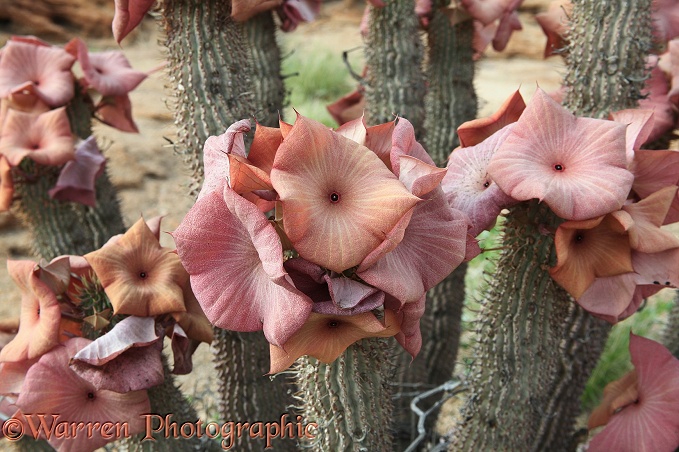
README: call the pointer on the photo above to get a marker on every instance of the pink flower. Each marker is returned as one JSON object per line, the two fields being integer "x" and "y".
{"x": 339, "y": 199}
{"x": 226, "y": 238}
{"x": 107, "y": 72}
{"x": 44, "y": 138}
{"x": 641, "y": 415}
{"x": 139, "y": 276}
{"x": 589, "y": 249}
{"x": 51, "y": 387}
{"x": 469, "y": 188}
{"x": 577, "y": 166}
{"x": 48, "y": 69}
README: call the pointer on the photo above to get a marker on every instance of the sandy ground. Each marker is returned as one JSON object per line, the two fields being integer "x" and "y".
{"x": 152, "y": 181}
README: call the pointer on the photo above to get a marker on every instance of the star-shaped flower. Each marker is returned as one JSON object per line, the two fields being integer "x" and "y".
{"x": 577, "y": 166}
{"x": 340, "y": 202}
{"x": 139, "y": 276}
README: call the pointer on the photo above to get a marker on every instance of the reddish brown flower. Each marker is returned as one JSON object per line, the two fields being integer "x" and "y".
{"x": 139, "y": 276}
{"x": 325, "y": 337}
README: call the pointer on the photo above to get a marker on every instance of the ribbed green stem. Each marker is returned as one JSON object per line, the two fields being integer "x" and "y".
{"x": 451, "y": 98}
{"x": 608, "y": 45}
{"x": 450, "y": 101}
{"x": 349, "y": 398}
{"x": 57, "y": 227}
{"x": 210, "y": 74}
{"x": 211, "y": 60}
{"x": 527, "y": 369}
{"x": 393, "y": 53}
{"x": 245, "y": 393}
{"x": 268, "y": 87}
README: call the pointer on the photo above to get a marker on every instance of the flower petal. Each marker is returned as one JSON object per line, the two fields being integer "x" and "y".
{"x": 469, "y": 188}
{"x": 432, "y": 247}
{"x": 48, "y": 68}
{"x": 216, "y": 155}
{"x": 52, "y": 387}
{"x": 226, "y": 238}
{"x": 40, "y": 315}
{"x": 77, "y": 179}
{"x": 651, "y": 424}
{"x": 475, "y": 131}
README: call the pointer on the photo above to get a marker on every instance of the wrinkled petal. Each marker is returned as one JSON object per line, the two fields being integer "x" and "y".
{"x": 469, "y": 188}
{"x": 77, "y": 179}
{"x": 225, "y": 238}
{"x": 134, "y": 369}
{"x": 40, "y": 315}
{"x": 216, "y": 155}
{"x": 410, "y": 336}
{"x": 130, "y": 332}
{"x": 52, "y": 387}
{"x": 432, "y": 247}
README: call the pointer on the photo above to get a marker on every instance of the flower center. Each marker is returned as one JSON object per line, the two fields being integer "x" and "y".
{"x": 579, "y": 237}
{"x": 334, "y": 197}
{"x": 143, "y": 275}
{"x": 333, "y": 323}
{"x": 486, "y": 184}
{"x": 90, "y": 395}
{"x": 559, "y": 167}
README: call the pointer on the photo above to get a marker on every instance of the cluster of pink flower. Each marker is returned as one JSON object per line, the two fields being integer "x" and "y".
{"x": 360, "y": 226}
{"x": 36, "y": 86}
{"x": 614, "y": 197}
{"x": 131, "y": 293}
